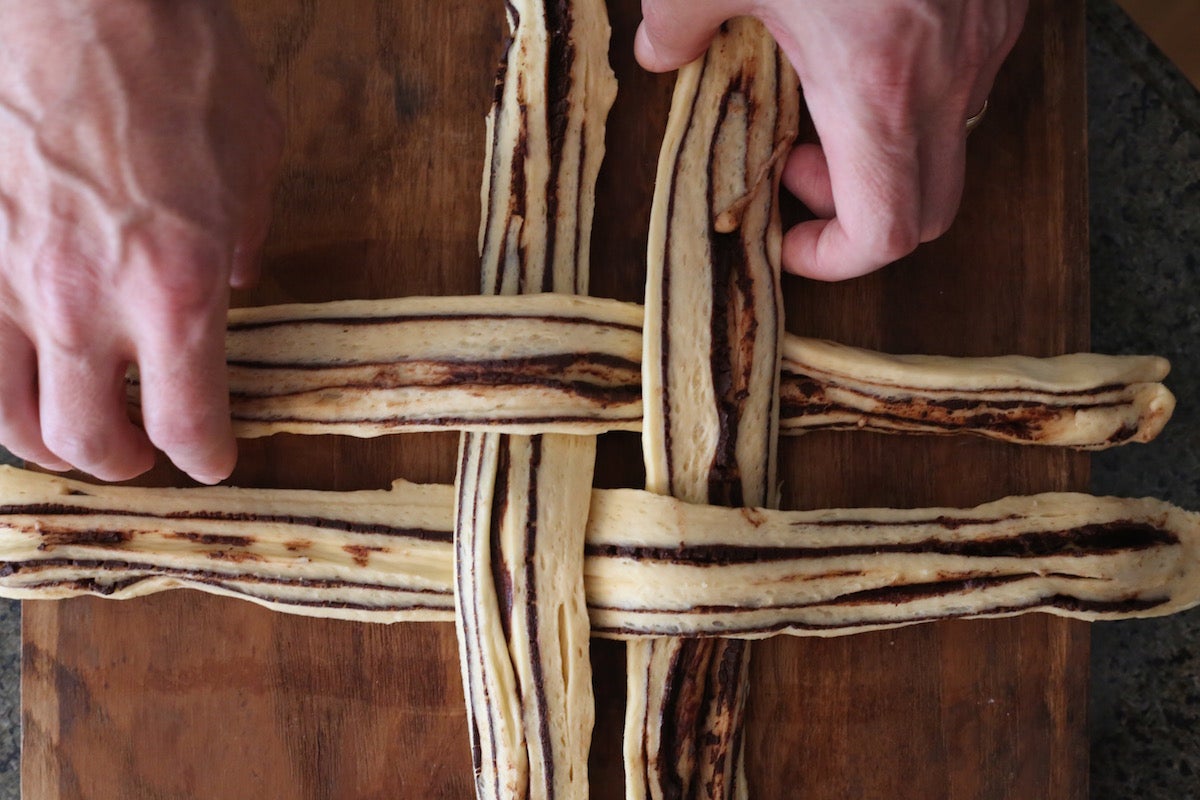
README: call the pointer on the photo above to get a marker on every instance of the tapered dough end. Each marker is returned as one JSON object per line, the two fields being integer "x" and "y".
{"x": 1156, "y": 404}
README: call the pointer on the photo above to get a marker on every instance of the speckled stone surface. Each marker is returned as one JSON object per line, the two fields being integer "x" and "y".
{"x": 1144, "y": 136}
{"x": 10, "y": 688}
{"x": 1144, "y": 133}
{"x": 10, "y": 699}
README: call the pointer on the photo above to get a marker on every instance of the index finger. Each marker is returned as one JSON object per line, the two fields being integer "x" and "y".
{"x": 676, "y": 32}
{"x": 875, "y": 179}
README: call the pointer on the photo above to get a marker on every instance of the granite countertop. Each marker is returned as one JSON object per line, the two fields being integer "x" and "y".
{"x": 1144, "y": 162}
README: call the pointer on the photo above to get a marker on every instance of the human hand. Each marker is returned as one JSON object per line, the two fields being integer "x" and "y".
{"x": 889, "y": 85}
{"x": 137, "y": 148}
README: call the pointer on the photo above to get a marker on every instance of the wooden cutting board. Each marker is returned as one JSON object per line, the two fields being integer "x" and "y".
{"x": 188, "y": 696}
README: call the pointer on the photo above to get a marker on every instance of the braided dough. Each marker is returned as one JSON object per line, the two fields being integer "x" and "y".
{"x": 522, "y": 553}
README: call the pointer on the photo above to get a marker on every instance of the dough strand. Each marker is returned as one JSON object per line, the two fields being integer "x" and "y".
{"x": 522, "y": 500}
{"x": 710, "y": 367}
{"x": 655, "y": 566}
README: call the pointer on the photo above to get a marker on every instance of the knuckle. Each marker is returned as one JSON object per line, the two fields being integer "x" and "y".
{"x": 21, "y": 452}
{"x": 95, "y": 452}
{"x": 189, "y": 298}
{"x": 190, "y": 433}
{"x": 34, "y": 453}
{"x": 65, "y": 306}
{"x": 20, "y": 440}
{"x": 178, "y": 265}
{"x": 66, "y": 329}
{"x": 888, "y": 80}
{"x": 14, "y": 438}
{"x": 30, "y": 456}
{"x": 81, "y": 448}
{"x": 11, "y": 409}
{"x": 182, "y": 433}
{"x": 196, "y": 445}
{"x": 186, "y": 289}
{"x": 892, "y": 242}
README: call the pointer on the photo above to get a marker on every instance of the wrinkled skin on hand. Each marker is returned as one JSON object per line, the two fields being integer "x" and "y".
{"x": 889, "y": 85}
{"x": 137, "y": 148}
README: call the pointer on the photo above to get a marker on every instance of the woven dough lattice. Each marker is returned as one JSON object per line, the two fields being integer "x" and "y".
{"x": 522, "y": 553}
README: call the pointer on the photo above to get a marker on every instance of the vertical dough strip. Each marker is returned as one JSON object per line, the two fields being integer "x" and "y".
{"x": 710, "y": 371}
{"x": 522, "y": 501}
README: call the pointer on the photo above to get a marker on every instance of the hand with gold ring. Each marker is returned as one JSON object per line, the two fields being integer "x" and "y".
{"x": 893, "y": 88}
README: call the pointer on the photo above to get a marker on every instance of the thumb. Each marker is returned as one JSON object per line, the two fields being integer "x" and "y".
{"x": 675, "y": 32}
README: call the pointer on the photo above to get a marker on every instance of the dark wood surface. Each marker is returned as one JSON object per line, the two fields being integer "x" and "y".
{"x": 188, "y": 696}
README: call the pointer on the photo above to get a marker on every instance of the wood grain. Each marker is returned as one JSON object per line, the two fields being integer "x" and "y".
{"x": 1172, "y": 25}
{"x": 185, "y": 696}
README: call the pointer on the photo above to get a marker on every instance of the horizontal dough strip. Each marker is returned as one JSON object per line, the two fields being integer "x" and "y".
{"x": 534, "y": 364}
{"x": 654, "y": 565}
{"x": 567, "y": 364}
{"x": 1083, "y": 400}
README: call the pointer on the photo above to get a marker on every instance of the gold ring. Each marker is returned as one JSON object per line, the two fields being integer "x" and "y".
{"x": 974, "y": 121}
